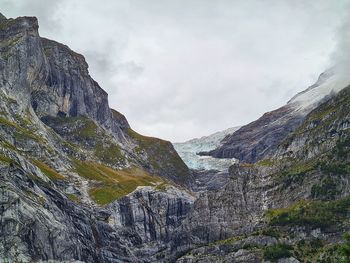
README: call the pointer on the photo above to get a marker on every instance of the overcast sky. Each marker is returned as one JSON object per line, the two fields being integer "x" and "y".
{"x": 180, "y": 69}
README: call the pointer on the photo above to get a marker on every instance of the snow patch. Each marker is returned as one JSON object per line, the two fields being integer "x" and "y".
{"x": 330, "y": 82}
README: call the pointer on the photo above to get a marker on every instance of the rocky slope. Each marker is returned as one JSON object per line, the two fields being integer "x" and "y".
{"x": 260, "y": 139}
{"x": 292, "y": 207}
{"x": 67, "y": 160}
{"x": 79, "y": 185}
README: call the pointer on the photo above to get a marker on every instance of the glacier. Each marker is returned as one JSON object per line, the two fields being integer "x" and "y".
{"x": 188, "y": 151}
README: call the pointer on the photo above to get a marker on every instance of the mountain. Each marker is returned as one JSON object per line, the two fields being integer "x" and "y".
{"x": 79, "y": 185}
{"x": 260, "y": 139}
{"x": 291, "y": 207}
{"x": 65, "y": 156}
{"x": 188, "y": 151}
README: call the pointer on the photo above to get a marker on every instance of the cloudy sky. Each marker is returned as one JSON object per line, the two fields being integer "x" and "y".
{"x": 180, "y": 69}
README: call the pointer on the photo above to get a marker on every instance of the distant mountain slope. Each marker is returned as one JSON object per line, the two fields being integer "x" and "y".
{"x": 261, "y": 138}
{"x": 188, "y": 151}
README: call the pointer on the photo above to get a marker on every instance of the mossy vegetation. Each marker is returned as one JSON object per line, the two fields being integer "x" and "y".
{"x": 295, "y": 172}
{"x": 73, "y": 198}
{"x": 4, "y": 23}
{"x": 81, "y": 127}
{"x": 267, "y": 162}
{"x": 162, "y": 187}
{"x": 161, "y": 155}
{"x": 19, "y": 132}
{"x": 313, "y": 214}
{"x": 82, "y": 132}
{"x": 110, "y": 154}
{"x": 5, "y": 159}
{"x": 325, "y": 190}
{"x": 113, "y": 184}
{"x": 275, "y": 252}
{"x": 48, "y": 171}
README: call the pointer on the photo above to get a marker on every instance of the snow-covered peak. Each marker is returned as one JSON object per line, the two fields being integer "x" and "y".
{"x": 188, "y": 151}
{"x": 329, "y": 82}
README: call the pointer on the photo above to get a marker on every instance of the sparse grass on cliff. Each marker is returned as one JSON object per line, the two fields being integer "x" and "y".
{"x": 161, "y": 155}
{"x": 113, "y": 184}
{"x": 312, "y": 214}
{"x": 48, "y": 171}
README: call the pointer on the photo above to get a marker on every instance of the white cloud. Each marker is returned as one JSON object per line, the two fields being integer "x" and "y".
{"x": 183, "y": 69}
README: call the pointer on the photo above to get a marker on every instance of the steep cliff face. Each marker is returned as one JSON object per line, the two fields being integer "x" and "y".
{"x": 78, "y": 184}
{"x": 67, "y": 160}
{"x": 54, "y": 80}
{"x": 298, "y": 199}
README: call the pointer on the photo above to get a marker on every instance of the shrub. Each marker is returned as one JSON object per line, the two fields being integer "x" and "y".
{"x": 277, "y": 251}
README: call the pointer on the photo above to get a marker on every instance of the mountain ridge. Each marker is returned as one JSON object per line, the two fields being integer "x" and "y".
{"x": 79, "y": 185}
{"x": 259, "y": 139}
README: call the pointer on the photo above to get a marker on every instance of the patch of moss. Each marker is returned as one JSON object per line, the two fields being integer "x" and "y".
{"x": 266, "y": 162}
{"x": 73, "y": 198}
{"x": 8, "y": 145}
{"x": 48, "y": 171}
{"x": 162, "y": 187}
{"x": 5, "y": 159}
{"x": 227, "y": 241}
{"x": 296, "y": 172}
{"x": 110, "y": 154}
{"x": 4, "y": 23}
{"x": 23, "y": 120}
{"x": 82, "y": 127}
{"x": 275, "y": 252}
{"x": 325, "y": 190}
{"x": 20, "y": 133}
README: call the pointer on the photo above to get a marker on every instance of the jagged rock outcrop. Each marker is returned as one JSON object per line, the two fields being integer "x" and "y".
{"x": 259, "y": 138}
{"x": 54, "y": 80}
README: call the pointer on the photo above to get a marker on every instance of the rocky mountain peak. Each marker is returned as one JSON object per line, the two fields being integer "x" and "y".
{"x": 2, "y": 17}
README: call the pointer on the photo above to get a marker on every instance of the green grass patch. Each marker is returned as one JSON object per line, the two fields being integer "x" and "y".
{"x": 114, "y": 183}
{"x": 162, "y": 187}
{"x": 110, "y": 154}
{"x": 73, "y": 198}
{"x": 5, "y": 159}
{"x": 266, "y": 162}
{"x": 48, "y": 171}
{"x": 296, "y": 172}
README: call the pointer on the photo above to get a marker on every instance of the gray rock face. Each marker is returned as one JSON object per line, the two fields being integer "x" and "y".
{"x": 50, "y": 79}
{"x": 39, "y": 223}
{"x": 260, "y": 138}
{"x": 46, "y": 209}
{"x": 152, "y": 214}
{"x": 54, "y": 172}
